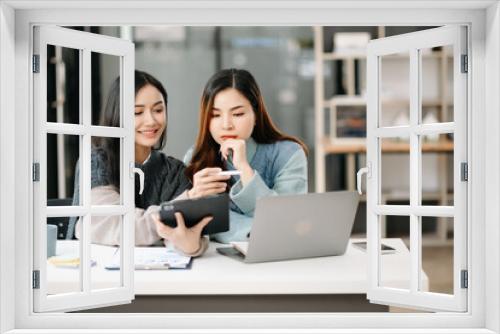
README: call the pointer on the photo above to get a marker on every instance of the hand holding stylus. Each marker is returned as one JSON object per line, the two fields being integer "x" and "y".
{"x": 235, "y": 150}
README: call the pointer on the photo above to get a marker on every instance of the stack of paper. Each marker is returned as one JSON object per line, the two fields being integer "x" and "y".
{"x": 152, "y": 258}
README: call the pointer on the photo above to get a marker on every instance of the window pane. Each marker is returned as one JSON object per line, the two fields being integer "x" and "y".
{"x": 63, "y": 85}
{"x": 394, "y": 90}
{"x": 437, "y": 255}
{"x": 394, "y": 182}
{"x": 63, "y": 152}
{"x": 437, "y": 84}
{"x": 63, "y": 263}
{"x": 437, "y": 169}
{"x": 105, "y": 171}
{"x": 106, "y": 91}
{"x": 395, "y": 266}
{"x": 105, "y": 252}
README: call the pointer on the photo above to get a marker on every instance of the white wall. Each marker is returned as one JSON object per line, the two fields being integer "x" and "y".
{"x": 492, "y": 214}
{"x": 7, "y": 170}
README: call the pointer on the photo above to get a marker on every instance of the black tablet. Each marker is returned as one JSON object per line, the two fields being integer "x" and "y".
{"x": 194, "y": 210}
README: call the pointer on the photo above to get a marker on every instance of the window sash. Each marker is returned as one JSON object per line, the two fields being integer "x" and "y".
{"x": 412, "y": 43}
{"x": 86, "y": 43}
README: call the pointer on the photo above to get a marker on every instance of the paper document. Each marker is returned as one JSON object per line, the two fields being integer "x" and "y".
{"x": 67, "y": 261}
{"x": 152, "y": 258}
{"x": 242, "y": 246}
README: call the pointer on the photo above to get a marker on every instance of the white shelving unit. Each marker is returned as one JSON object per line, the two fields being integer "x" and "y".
{"x": 330, "y": 143}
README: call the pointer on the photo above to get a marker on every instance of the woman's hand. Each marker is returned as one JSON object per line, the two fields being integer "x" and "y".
{"x": 238, "y": 158}
{"x": 207, "y": 182}
{"x": 188, "y": 240}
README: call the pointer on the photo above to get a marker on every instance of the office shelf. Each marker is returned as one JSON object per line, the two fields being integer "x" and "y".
{"x": 358, "y": 145}
{"x": 361, "y": 55}
{"x": 359, "y": 100}
{"x": 328, "y": 142}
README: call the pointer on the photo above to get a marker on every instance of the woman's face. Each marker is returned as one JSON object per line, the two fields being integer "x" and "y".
{"x": 232, "y": 116}
{"x": 150, "y": 116}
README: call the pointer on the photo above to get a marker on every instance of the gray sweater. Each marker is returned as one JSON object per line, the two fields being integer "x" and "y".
{"x": 164, "y": 180}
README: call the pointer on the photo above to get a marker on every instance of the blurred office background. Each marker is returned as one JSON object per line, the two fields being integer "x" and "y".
{"x": 282, "y": 59}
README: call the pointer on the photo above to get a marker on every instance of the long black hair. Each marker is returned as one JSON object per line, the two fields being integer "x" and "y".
{"x": 111, "y": 117}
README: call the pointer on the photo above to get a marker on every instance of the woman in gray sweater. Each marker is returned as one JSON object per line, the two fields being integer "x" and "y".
{"x": 164, "y": 177}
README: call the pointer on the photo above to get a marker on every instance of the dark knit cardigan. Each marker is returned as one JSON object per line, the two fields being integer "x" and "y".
{"x": 164, "y": 180}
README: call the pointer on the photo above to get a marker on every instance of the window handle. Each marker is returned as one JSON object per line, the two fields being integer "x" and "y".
{"x": 135, "y": 170}
{"x": 365, "y": 170}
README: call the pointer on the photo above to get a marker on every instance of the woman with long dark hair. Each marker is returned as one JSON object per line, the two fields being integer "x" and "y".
{"x": 236, "y": 133}
{"x": 164, "y": 176}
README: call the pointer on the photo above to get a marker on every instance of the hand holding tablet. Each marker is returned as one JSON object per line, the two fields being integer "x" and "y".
{"x": 194, "y": 210}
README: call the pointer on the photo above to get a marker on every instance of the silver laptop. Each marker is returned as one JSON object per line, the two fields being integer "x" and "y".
{"x": 298, "y": 226}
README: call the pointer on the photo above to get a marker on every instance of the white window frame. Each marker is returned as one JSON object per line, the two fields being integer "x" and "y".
{"x": 483, "y": 17}
{"x": 85, "y": 43}
{"x": 412, "y": 44}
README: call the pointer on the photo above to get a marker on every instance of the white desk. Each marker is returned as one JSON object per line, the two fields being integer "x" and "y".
{"x": 216, "y": 275}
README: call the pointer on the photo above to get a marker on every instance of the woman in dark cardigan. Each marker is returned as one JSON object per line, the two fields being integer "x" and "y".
{"x": 164, "y": 177}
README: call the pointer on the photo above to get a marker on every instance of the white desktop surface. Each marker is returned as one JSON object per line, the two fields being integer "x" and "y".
{"x": 215, "y": 274}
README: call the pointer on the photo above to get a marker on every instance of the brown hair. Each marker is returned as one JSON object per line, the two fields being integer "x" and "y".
{"x": 205, "y": 153}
